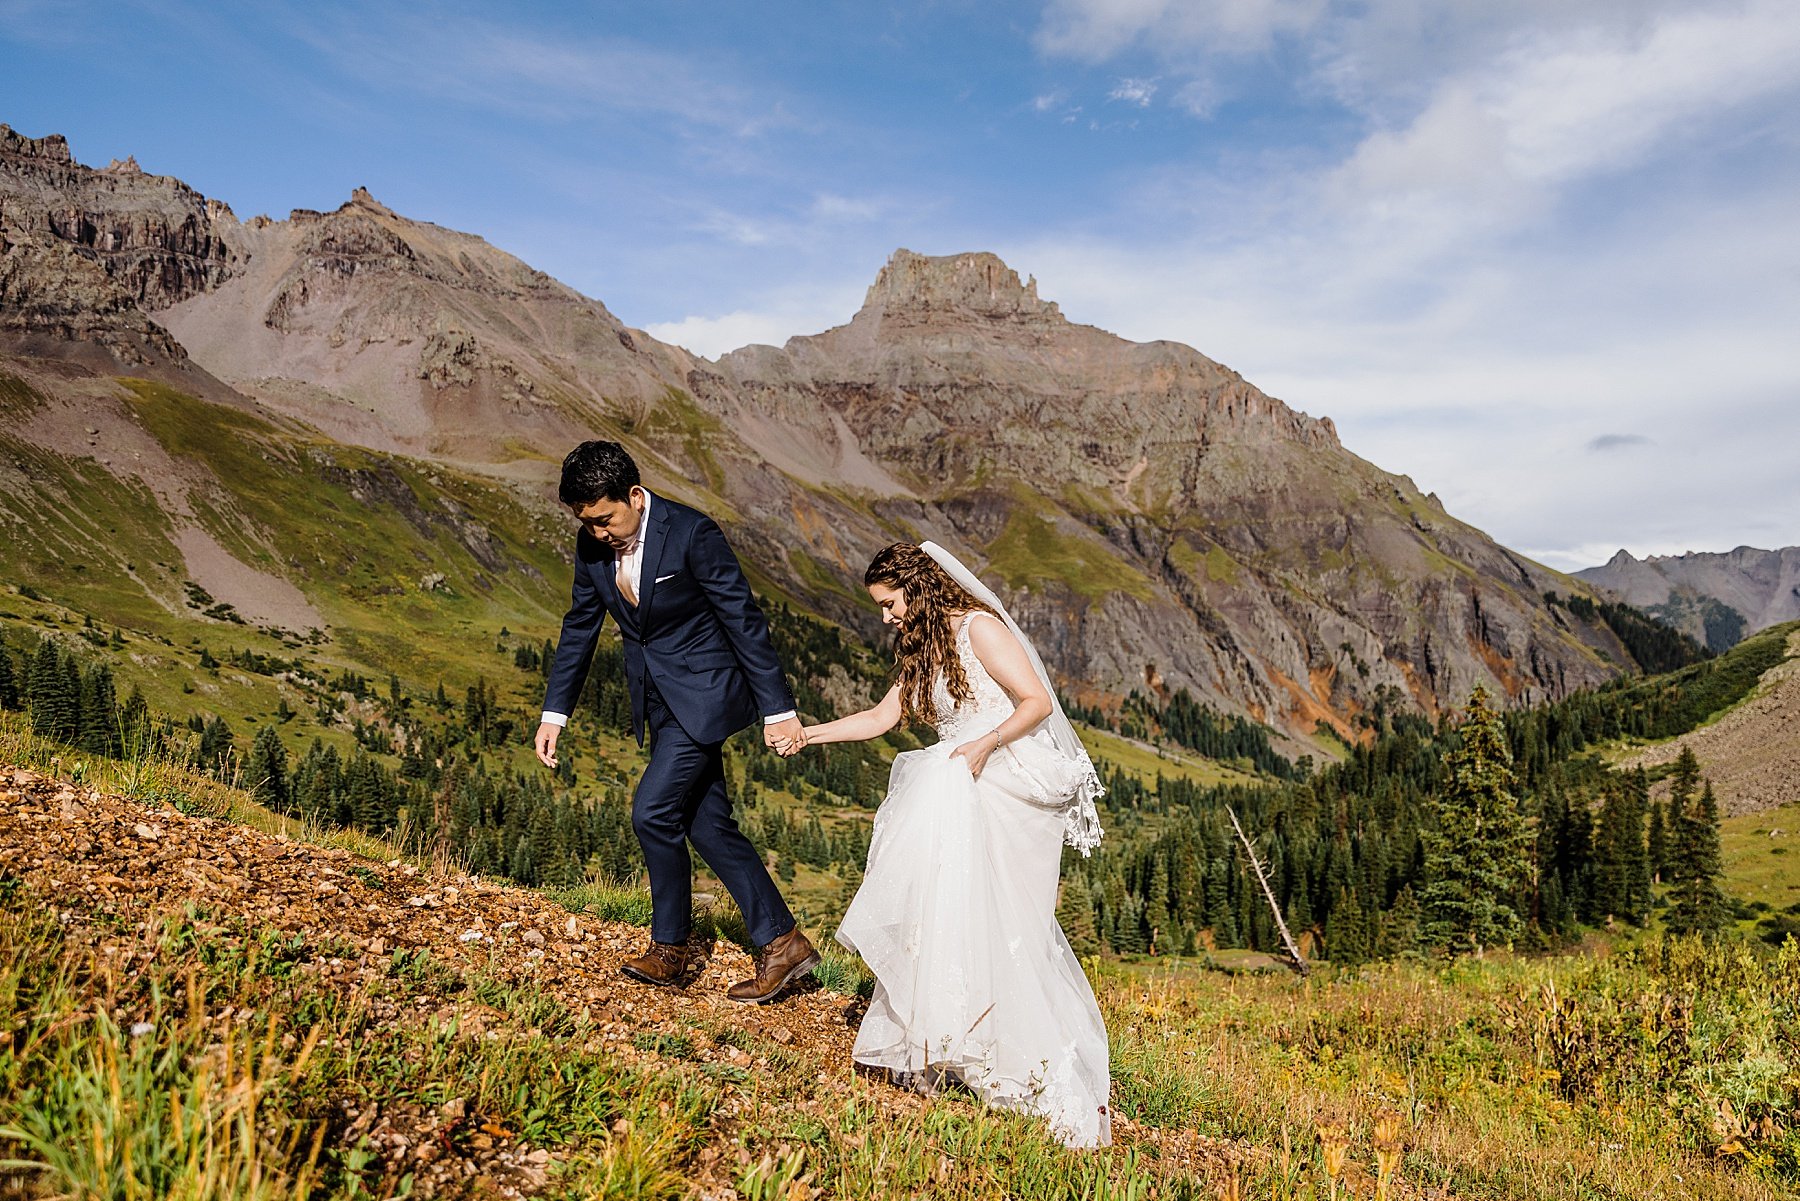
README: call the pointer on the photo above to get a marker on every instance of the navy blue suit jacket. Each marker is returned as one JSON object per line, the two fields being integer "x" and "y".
{"x": 697, "y": 632}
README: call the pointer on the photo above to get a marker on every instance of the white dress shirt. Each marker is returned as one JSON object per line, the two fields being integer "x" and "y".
{"x": 631, "y": 563}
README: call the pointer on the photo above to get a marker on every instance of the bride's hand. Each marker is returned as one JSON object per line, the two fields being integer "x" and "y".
{"x": 975, "y": 754}
{"x": 788, "y": 750}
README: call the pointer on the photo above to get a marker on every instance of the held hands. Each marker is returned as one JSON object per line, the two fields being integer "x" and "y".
{"x": 975, "y": 753}
{"x": 545, "y": 743}
{"x": 785, "y": 738}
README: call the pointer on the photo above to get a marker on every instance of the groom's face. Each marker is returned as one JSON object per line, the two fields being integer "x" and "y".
{"x": 614, "y": 522}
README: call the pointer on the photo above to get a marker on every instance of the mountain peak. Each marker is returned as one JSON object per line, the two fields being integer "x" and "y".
{"x": 52, "y": 147}
{"x": 1622, "y": 559}
{"x": 362, "y": 199}
{"x": 977, "y": 282}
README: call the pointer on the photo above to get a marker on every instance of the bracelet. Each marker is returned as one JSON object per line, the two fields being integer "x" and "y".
{"x": 997, "y": 743}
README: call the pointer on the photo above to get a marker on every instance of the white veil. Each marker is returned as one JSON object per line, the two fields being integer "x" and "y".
{"x": 1081, "y": 821}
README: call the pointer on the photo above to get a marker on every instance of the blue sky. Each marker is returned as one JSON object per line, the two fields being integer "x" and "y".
{"x": 1542, "y": 256}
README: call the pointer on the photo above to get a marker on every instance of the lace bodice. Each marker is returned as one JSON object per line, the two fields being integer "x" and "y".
{"x": 988, "y": 704}
{"x": 1053, "y": 777}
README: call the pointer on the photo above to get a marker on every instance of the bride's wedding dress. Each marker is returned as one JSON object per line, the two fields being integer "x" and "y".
{"x": 956, "y": 917}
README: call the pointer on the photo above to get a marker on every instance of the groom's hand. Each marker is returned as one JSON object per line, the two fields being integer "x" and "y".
{"x": 785, "y": 736}
{"x": 545, "y": 743}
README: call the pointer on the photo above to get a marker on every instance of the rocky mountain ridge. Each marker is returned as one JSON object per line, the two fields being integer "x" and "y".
{"x": 1717, "y": 597}
{"x": 1157, "y": 521}
{"x": 86, "y": 254}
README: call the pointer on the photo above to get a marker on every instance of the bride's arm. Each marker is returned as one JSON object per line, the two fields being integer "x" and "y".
{"x": 1011, "y": 668}
{"x": 860, "y": 727}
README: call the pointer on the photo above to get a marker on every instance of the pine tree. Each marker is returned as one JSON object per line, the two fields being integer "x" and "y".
{"x": 72, "y": 689}
{"x": 1075, "y": 914}
{"x": 1696, "y": 903}
{"x": 9, "y": 682}
{"x": 1684, "y": 790}
{"x": 317, "y": 784}
{"x": 1621, "y": 878}
{"x": 134, "y": 723}
{"x": 1657, "y": 843}
{"x": 1219, "y": 914}
{"x": 546, "y": 847}
{"x": 1606, "y": 894}
{"x": 478, "y": 706}
{"x": 1638, "y": 893}
{"x": 267, "y": 772}
{"x": 1398, "y": 929}
{"x": 99, "y": 712}
{"x": 520, "y": 867}
{"x": 1347, "y": 941}
{"x": 1477, "y": 853}
{"x": 1157, "y": 925}
{"x": 55, "y": 705}
{"x": 215, "y": 746}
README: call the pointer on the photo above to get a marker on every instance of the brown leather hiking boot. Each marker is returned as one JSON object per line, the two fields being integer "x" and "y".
{"x": 777, "y": 965}
{"x": 663, "y": 963}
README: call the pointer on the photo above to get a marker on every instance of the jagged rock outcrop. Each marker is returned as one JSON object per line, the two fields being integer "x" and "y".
{"x": 154, "y": 236}
{"x": 86, "y": 254}
{"x": 1717, "y": 598}
{"x": 1157, "y": 520}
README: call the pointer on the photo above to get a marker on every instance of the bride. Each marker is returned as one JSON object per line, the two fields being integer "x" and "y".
{"x": 975, "y": 982}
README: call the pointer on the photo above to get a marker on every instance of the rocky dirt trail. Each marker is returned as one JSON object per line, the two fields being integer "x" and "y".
{"x": 104, "y": 864}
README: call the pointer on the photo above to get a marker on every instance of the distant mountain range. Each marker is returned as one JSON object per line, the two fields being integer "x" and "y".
{"x": 1157, "y": 521}
{"x": 1717, "y": 598}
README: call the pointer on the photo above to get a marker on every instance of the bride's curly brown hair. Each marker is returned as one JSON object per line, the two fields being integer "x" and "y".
{"x": 926, "y": 642}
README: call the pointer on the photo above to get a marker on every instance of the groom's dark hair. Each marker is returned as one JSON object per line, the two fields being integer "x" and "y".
{"x": 597, "y": 471}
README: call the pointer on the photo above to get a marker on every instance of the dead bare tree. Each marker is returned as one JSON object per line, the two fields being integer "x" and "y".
{"x": 1297, "y": 961}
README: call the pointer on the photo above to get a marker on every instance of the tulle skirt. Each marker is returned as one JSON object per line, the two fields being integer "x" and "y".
{"x": 956, "y": 917}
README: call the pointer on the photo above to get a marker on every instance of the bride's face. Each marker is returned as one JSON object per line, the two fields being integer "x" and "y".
{"x": 891, "y": 602}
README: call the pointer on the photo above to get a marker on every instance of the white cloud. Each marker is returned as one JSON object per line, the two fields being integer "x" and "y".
{"x": 714, "y": 336}
{"x": 787, "y": 227}
{"x": 778, "y": 315}
{"x": 1554, "y": 110}
{"x": 1197, "y": 98}
{"x": 1096, "y": 30}
{"x": 739, "y": 229}
{"x": 1134, "y": 91}
{"x": 830, "y": 207}
{"x": 488, "y": 65}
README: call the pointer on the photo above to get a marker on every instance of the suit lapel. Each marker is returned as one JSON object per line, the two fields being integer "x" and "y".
{"x": 656, "y": 537}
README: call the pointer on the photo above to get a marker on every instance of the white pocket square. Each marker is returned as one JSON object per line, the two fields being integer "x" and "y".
{"x": 670, "y": 576}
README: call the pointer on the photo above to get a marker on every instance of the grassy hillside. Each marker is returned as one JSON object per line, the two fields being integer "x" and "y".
{"x": 277, "y": 1012}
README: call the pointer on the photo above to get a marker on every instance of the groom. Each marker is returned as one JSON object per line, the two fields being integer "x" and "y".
{"x": 700, "y": 668}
